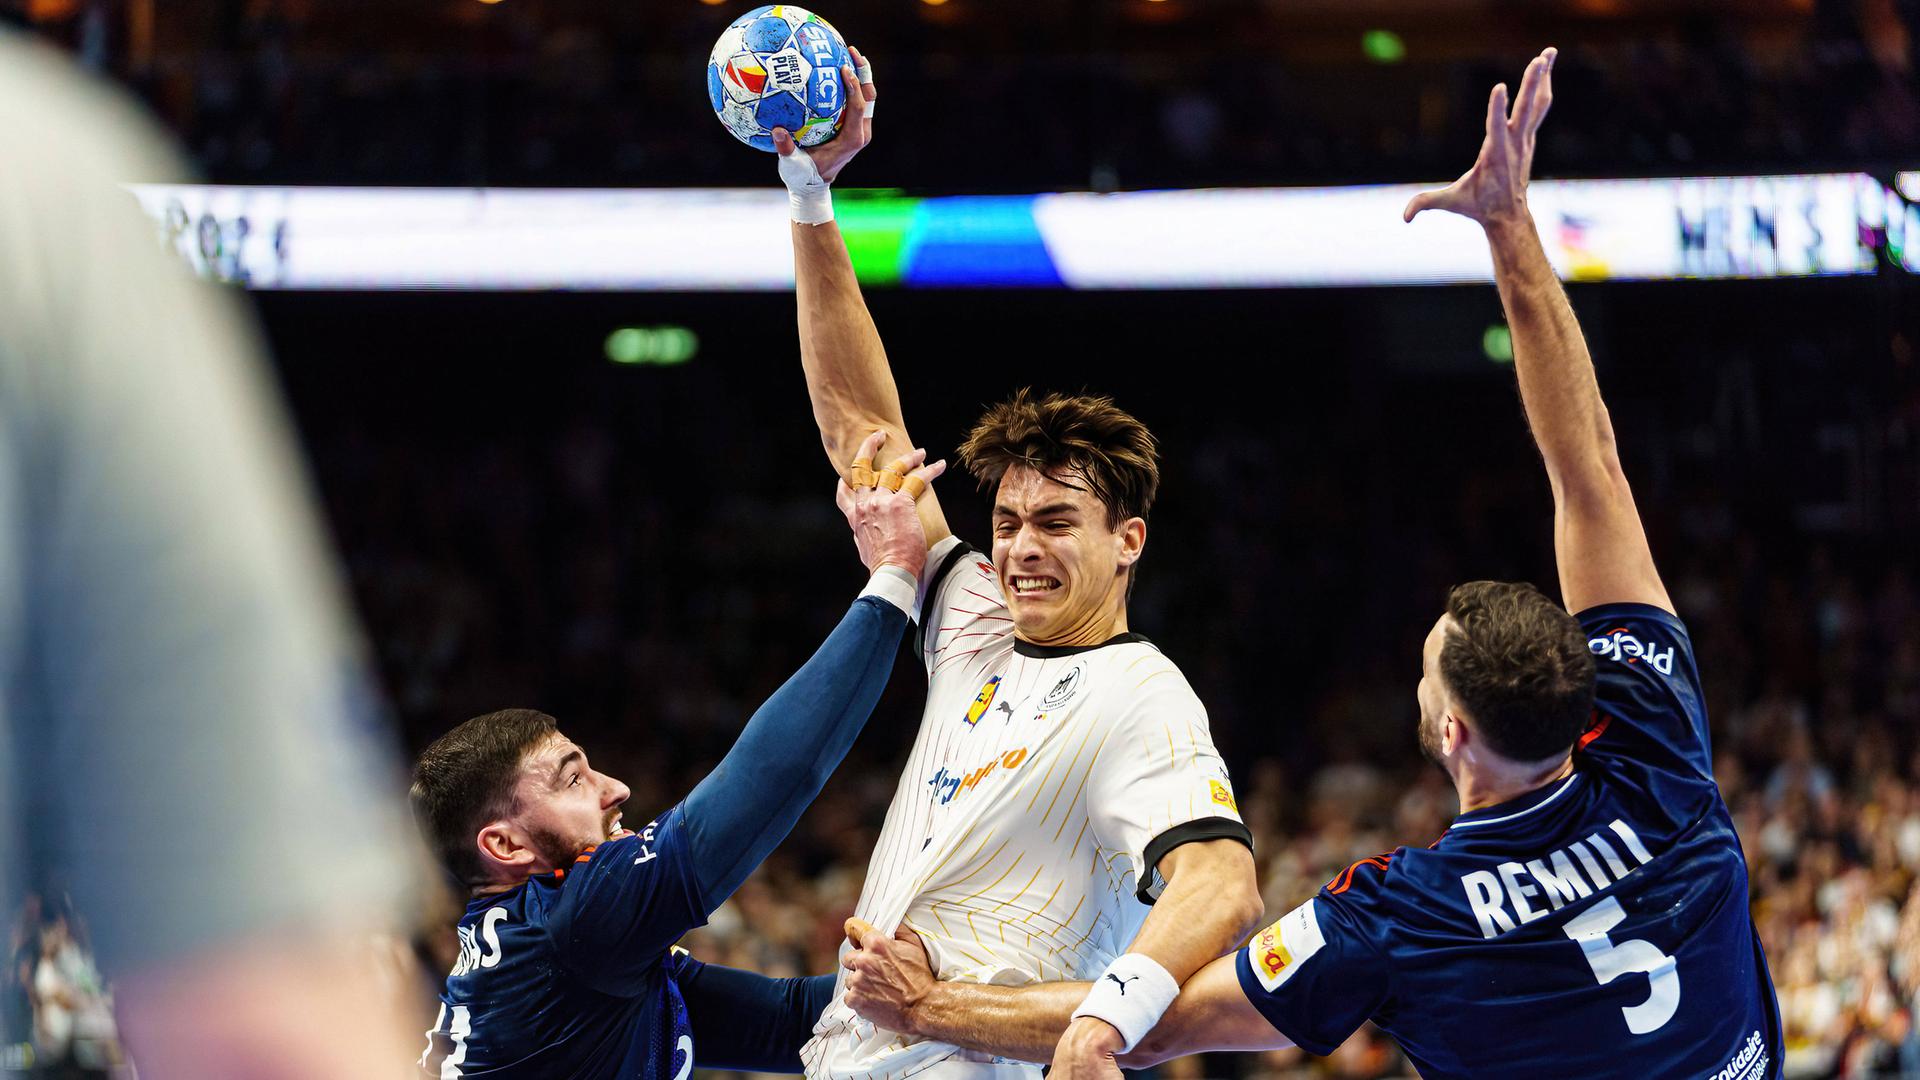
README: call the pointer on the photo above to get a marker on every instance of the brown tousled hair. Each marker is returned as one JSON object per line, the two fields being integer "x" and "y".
{"x": 1059, "y": 433}
{"x": 1520, "y": 666}
{"x": 467, "y": 778}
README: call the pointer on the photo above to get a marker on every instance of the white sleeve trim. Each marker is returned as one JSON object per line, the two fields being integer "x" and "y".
{"x": 936, "y": 558}
{"x": 895, "y": 586}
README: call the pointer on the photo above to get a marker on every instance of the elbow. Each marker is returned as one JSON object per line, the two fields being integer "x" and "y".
{"x": 1238, "y": 901}
{"x": 1248, "y": 909}
{"x": 1593, "y": 479}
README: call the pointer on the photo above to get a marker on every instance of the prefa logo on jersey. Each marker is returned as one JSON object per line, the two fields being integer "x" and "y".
{"x": 1620, "y": 644}
{"x": 946, "y": 785}
{"x": 982, "y": 701}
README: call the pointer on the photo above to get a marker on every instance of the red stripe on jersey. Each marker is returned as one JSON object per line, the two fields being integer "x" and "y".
{"x": 956, "y": 656}
{"x": 1598, "y": 730}
{"x": 988, "y": 599}
{"x": 1344, "y": 879}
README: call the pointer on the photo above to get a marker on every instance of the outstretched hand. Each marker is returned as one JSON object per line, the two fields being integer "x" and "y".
{"x": 1495, "y": 189}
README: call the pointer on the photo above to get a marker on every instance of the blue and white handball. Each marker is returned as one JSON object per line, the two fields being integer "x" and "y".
{"x": 779, "y": 66}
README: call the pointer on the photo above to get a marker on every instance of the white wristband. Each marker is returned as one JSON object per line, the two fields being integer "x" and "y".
{"x": 811, "y": 207}
{"x": 1131, "y": 994}
{"x": 894, "y": 585}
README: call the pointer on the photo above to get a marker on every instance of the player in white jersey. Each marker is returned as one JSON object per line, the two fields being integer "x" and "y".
{"x": 1063, "y": 779}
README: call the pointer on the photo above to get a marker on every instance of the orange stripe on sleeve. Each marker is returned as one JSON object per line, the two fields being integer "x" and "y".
{"x": 1597, "y": 730}
{"x": 1343, "y": 880}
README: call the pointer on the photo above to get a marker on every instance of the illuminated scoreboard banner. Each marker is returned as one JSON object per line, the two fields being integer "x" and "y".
{"x": 725, "y": 239}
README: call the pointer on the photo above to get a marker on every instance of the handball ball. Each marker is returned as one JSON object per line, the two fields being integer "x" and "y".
{"x": 778, "y": 66}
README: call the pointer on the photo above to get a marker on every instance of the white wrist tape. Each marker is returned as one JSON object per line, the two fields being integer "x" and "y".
{"x": 809, "y": 196}
{"x": 1131, "y": 995}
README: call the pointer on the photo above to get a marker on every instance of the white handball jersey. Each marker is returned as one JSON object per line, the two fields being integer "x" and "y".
{"x": 1043, "y": 788}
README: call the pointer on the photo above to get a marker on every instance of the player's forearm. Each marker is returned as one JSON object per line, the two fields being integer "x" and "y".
{"x": 1210, "y": 904}
{"x": 1555, "y": 371}
{"x": 1025, "y": 1022}
{"x": 846, "y": 368}
{"x": 794, "y": 741}
{"x": 1019, "y": 1022}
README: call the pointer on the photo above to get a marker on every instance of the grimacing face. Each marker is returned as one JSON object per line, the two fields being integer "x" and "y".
{"x": 1432, "y": 693}
{"x": 1061, "y": 567}
{"x": 565, "y": 806}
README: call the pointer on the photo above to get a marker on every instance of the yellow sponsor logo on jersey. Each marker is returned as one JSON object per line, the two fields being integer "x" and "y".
{"x": 1223, "y": 795}
{"x": 982, "y": 701}
{"x": 1279, "y": 950}
{"x": 1270, "y": 953}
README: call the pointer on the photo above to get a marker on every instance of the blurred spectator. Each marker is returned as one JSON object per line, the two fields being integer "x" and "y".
{"x": 185, "y": 734}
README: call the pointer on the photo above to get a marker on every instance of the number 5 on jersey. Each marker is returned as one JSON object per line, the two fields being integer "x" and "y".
{"x": 1611, "y": 960}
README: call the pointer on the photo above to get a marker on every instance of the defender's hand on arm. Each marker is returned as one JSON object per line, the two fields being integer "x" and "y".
{"x": 881, "y": 507}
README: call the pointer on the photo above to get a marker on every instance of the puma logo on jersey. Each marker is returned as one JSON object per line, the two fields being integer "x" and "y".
{"x": 1005, "y": 707}
{"x": 1122, "y": 983}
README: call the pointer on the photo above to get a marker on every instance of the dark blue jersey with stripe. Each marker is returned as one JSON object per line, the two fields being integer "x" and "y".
{"x": 571, "y": 974}
{"x": 1594, "y": 927}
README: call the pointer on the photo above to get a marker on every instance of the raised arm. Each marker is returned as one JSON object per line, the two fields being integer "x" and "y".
{"x": 848, "y": 378}
{"x": 1599, "y": 543}
{"x": 794, "y": 741}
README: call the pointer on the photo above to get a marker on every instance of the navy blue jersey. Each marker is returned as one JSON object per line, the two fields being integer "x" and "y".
{"x": 1597, "y": 926}
{"x": 571, "y": 973}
